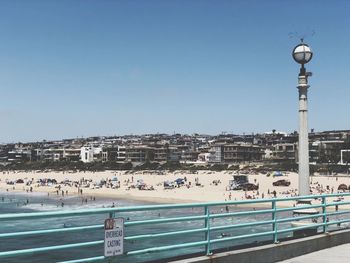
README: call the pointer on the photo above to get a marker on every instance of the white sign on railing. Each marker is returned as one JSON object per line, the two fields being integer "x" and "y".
{"x": 114, "y": 237}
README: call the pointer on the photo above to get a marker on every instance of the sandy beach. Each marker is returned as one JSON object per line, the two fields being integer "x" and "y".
{"x": 203, "y": 186}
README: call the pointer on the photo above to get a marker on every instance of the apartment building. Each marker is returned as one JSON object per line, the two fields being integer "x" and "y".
{"x": 139, "y": 153}
{"x": 234, "y": 153}
{"x": 284, "y": 152}
{"x": 115, "y": 153}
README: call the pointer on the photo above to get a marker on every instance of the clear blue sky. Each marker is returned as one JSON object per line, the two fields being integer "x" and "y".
{"x": 83, "y": 68}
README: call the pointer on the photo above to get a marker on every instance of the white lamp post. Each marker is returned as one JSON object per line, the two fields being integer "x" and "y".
{"x": 302, "y": 54}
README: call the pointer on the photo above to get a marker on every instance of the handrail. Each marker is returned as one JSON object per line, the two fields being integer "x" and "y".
{"x": 50, "y": 231}
{"x": 44, "y": 249}
{"x": 204, "y": 225}
{"x": 18, "y": 216}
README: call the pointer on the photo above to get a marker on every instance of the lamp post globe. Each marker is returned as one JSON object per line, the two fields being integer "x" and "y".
{"x": 302, "y": 53}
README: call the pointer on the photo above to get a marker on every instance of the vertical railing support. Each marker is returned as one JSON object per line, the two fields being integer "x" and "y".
{"x": 207, "y": 232}
{"x": 111, "y": 214}
{"x": 324, "y": 212}
{"x": 274, "y": 224}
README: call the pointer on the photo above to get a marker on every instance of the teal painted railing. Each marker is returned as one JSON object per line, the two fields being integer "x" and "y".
{"x": 330, "y": 210}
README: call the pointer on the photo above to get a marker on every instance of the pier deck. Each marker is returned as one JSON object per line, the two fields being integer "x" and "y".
{"x": 338, "y": 254}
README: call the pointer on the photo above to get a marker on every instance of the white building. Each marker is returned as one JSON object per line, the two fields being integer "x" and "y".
{"x": 204, "y": 158}
{"x": 343, "y": 158}
{"x": 87, "y": 154}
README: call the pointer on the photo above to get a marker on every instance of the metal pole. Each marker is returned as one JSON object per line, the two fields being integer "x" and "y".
{"x": 324, "y": 212}
{"x": 304, "y": 172}
{"x": 207, "y": 232}
{"x": 274, "y": 224}
{"x": 111, "y": 215}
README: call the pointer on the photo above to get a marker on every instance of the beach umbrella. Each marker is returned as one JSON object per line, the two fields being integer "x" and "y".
{"x": 179, "y": 180}
{"x": 343, "y": 187}
{"x": 277, "y": 173}
{"x": 115, "y": 179}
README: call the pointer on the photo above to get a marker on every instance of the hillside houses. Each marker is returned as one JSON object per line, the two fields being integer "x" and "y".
{"x": 325, "y": 147}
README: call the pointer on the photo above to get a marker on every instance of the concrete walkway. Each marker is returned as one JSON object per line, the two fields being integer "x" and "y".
{"x": 338, "y": 254}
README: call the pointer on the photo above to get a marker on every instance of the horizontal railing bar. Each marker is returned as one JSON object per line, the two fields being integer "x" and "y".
{"x": 50, "y": 231}
{"x": 282, "y": 220}
{"x": 164, "y": 248}
{"x": 242, "y": 237}
{"x": 51, "y": 248}
{"x": 299, "y": 228}
{"x": 250, "y": 212}
{"x": 337, "y": 203}
{"x": 254, "y": 201}
{"x": 338, "y": 213}
{"x": 84, "y": 260}
{"x": 19, "y": 216}
{"x": 215, "y": 228}
{"x": 308, "y": 197}
{"x": 190, "y": 231}
{"x": 338, "y": 222}
{"x": 298, "y": 208}
{"x": 164, "y": 220}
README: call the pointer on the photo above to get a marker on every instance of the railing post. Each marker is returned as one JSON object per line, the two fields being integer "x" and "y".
{"x": 274, "y": 224}
{"x": 207, "y": 232}
{"x": 111, "y": 214}
{"x": 324, "y": 212}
